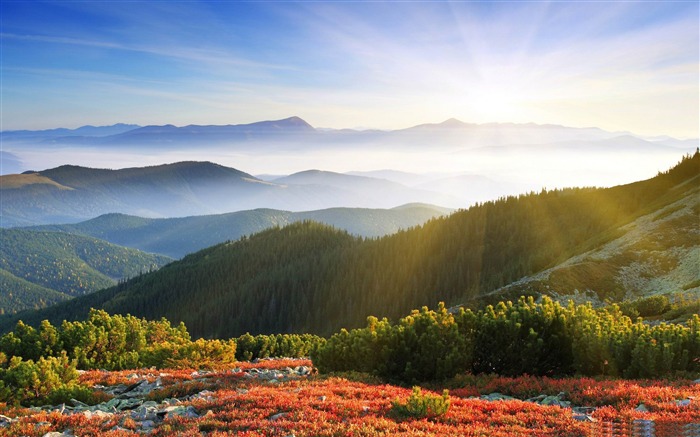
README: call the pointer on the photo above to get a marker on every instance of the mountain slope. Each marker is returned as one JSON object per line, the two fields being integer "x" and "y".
{"x": 657, "y": 253}
{"x": 310, "y": 278}
{"x": 177, "y": 237}
{"x": 17, "y": 294}
{"x": 69, "y": 194}
{"x": 41, "y": 268}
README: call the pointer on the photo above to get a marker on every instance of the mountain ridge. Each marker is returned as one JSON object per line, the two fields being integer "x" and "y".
{"x": 307, "y": 277}
{"x": 177, "y": 237}
{"x": 72, "y": 193}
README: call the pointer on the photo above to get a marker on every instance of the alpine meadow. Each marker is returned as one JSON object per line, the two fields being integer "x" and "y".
{"x": 425, "y": 218}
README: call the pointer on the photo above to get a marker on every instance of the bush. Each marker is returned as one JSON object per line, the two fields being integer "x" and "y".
{"x": 420, "y": 406}
{"x": 542, "y": 339}
{"x": 26, "y": 381}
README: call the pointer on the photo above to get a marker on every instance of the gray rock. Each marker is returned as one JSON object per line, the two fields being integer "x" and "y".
{"x": 6, "y": 421}
{"x": 96, "y": 414}
{"x": 642, "y": 408}
{"x": 278, "y": 416}
{"x": 177, "y": 411}
{"x": 496, "y": 397}
{"x": 148, "y": 424}
{"x": 583, "y": 418}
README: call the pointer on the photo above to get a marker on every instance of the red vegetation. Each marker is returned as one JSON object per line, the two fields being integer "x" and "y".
{"x": 334, "y": 406}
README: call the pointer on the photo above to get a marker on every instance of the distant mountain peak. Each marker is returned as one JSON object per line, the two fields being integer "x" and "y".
{"x": 453, "y": 122}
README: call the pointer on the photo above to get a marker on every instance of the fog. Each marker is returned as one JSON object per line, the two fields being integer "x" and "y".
{"x": 520, "y": 168}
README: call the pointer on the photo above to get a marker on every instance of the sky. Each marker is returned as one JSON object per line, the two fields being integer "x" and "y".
{"x": 620, "y": 66}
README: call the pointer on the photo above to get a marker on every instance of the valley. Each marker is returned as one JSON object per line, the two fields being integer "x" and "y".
{"x": 309, "y": 277}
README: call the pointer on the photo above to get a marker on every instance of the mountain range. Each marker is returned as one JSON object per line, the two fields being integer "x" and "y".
{"x": 294, "y": 130}
{"x": 177, "y": 237}
{"x": 69, "y": 194}
{"x": 308, "y": 277}
{"x": 516, "y": 157}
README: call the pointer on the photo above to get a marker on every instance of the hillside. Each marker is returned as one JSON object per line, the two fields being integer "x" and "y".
{"x": 177, "y": 237}
{"x": 70, "y": 194}
{"x": 655, "y": 254}
{"x": 307, "y": 277}
{"x": 38, "y": 269}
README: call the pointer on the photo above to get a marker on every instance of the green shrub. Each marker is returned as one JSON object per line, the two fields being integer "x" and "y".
{"x": 27, "y": 381}
{"x": 421, "y": 406}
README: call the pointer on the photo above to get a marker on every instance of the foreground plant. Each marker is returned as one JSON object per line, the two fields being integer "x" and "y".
{"x": 422, "y": 406}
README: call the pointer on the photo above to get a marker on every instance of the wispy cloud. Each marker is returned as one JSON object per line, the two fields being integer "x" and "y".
{"x": 619, "y": 65}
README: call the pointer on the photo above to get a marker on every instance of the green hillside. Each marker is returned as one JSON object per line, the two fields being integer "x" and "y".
{"x": 307, "y": 277}
{"x": 177, "y": 237}
{"x": 18, "y": 294}
{"x": 42, "y": 268}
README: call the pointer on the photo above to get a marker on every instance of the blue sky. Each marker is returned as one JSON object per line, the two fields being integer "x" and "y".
{"x": 627, "y": 66}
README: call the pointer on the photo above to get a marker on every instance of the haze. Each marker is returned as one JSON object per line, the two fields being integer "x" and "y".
{"x": 625, "y": 67}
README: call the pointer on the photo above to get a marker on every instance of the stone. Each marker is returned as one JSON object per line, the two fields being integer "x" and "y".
{"x": 642, "y": 408}
{"x": 583, "y": 418}
{"x": 277, "y": 416}
{"x": 496, "y": 397}
{"x": 6, "y": 421}
{"x": 96, "y": 414}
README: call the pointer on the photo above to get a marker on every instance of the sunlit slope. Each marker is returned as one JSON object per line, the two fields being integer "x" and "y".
{"x": 311, "y": 278}
{"x": 657, "y": 253}
{"x": 42, "y": 268}
{"x": 176, "y": 237}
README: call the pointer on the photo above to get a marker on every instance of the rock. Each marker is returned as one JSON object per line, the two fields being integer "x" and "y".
{"x": 177, "y": 411}
{"x": 148, "y": 424}
{"x": 144, "y": 413}
{"x": 583, "y": 418}
{"x": 6, "y": 421}
{"x": 642, "y": 408}
{"x": 684, "y": 402}
{"x": 277, "y": 416}
{"x": 206, "y": 395}
{"x": 76, "y": 403}
{"x": 96, "y": 414}
{"x": 555, "y": 400}
{"x": 322, "y": 398}
{"x": 496, "y": 397}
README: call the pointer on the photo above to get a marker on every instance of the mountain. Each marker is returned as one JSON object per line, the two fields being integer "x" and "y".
{"x": 177, "y": 237}
{"x": 170, "y": 135}
{"x": 69, "y": 194}
{"x": 41, "y": 268}
{"x": 370, "y": 191}
{"x": 307, "y": 277}
{"x": 655, "y": 254}
{"x": 529, "y": 155}
{"x": 84, "y": 131}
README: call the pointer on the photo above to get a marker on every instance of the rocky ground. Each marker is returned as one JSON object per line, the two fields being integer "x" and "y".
{"x": 287, "y": 398}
